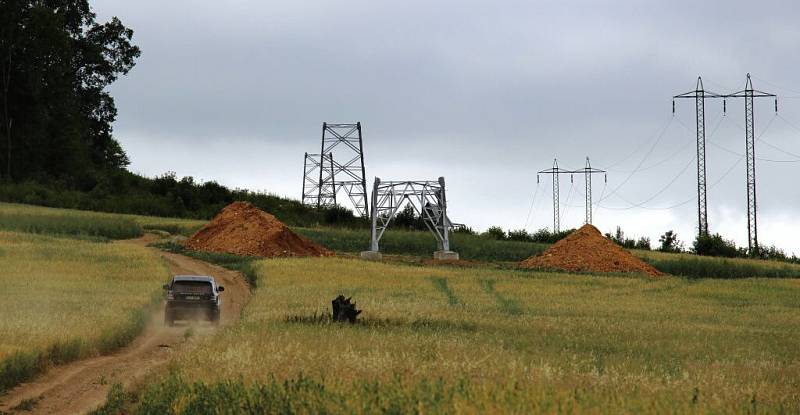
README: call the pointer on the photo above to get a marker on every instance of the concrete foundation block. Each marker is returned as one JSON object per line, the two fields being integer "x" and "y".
{"x": 445, "y": 255}
{"x": 371, "y": 255}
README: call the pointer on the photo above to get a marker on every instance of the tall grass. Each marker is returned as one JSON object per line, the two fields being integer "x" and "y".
{"x": 694, "y": 267}
{"x": 52, "y": 221}
{"x": 65, "y": 299}
{"x": 573, "y": 344}
{"x": 61, "y": 223}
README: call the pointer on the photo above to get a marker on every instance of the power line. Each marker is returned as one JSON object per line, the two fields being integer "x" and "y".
{"x": 659, "y": 163}
{"x": 759, "y": 138}
{"x": 569, "y": 196}
{"x": 774, "y": 85}
{"x": 605, "y": 185}
{"x": 679, "y": 204}
{"x": 530, "y": 210}
{"x": 638, "y": 166}
{"x": 656, "y": 194}
{"x": 656, "y": 136}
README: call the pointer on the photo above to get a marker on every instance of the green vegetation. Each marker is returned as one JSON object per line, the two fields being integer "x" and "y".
{"x": 67, "y": 222}
{"x": 694, "y": 267}
{"x": 65, "y": 299}
{"x": 576, "y": 343}
{"x": 423, "y": 244}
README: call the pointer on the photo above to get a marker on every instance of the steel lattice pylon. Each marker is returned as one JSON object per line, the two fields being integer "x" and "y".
{"x": 555, "y": 171}
{"x": 587, "y": 176}
{"x": 427, "y": 198}
{"x": 311, "y": 168}
{"x": 347, "y": 141}
{"x": 700, "y": 95}
{"x": 748, "y": 94}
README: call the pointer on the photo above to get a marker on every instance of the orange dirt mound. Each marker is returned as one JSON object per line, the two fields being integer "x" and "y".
{"x": 587, "y": 250}
{"x": 243, "y": 229}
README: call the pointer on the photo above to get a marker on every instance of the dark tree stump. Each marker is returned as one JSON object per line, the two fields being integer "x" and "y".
{"x": 344, "y": 310}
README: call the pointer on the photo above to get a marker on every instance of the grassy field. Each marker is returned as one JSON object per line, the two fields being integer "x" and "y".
{"x": 94, "y": 225}
{"x": 437, "y": 340}
{"x": 64, "y": 299}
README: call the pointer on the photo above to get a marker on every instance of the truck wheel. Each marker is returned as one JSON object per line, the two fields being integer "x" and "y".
{"x": 215, "y": 318}
{"x": 169, "y": 320}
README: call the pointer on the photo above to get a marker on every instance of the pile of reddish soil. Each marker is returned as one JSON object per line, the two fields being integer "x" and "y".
{"x": 587, "y": 250}
{"x": 243, "y": 229}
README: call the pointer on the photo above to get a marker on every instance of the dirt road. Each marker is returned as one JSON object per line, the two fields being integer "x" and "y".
{"x": 81, "y": 386}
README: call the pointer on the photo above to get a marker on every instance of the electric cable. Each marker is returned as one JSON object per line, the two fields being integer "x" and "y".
{"x": 636, "y": 170}
{"x": 759, "y": 138}
{"x": 605, "y": 185}
{"x": 652, "y": 166}
{"x": 530, "y": 210}
{"x": 641, "y": 145}
{"x": 569, "y": 195}
{"x": 691, "y": 199}
{"x": 776, "y": 86}
{"x": 656, "y": 194}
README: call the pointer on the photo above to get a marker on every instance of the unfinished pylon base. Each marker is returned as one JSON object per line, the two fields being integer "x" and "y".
{"x": 371, "y": 255}
{"x": 445, "y": 255}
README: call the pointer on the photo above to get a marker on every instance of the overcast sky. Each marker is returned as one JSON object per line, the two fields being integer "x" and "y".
{"x": 483, "y": 93}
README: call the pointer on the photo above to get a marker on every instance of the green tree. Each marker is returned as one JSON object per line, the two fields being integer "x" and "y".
{"x": 669, "y": 242}
{"x": 56, "y": 62}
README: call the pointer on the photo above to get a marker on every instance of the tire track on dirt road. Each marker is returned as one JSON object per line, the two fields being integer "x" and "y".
{"x": 81, "y": 386}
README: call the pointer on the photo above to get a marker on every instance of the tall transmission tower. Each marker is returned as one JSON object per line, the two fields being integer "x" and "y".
{"x": 750, "y": 140}
{"x": 555, "y": 171}
{"x": 700, "y": 95}
{"x": 311, "y": 168}
{"x": 344, "y": 171}
{"x": 588, "y": 171}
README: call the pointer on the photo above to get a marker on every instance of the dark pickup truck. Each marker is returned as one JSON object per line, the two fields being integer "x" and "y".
{"x": 191, "y": 297}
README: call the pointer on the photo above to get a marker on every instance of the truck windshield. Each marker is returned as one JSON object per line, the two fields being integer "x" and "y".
{"x": 194, "y": 287}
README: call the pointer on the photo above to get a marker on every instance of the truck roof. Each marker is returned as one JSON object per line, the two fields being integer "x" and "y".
{"x": 205, "y": 278}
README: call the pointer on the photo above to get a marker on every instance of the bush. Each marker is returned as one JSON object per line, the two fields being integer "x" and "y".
{"x": 519, "y": 235}
{"x": 495, "y": 232}
{"x": 619, "y": 239}
{"x": 544, "y": 236}
{"x": 643, "y": 243}
{"x": 715, "y": 245}
{"x": 464, "y": 230}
